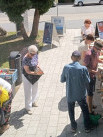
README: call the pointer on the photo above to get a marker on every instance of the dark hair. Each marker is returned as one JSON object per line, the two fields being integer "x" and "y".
{"x": 90, "y": 37}
{"x": 87, "y": 21}
{"x": 98, "y": 43}
{"x": 76, "y": 53}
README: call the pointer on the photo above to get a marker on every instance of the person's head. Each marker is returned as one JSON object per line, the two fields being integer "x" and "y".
{"x": 89, "y": 39}
{"x": 87, "y": 23}
{"x": 76, "y": 56}
{"x": 32, "y": 50}
{"x": 98, "y": 45}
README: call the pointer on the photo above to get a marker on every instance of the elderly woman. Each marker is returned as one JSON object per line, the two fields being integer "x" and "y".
{"x": 31, "y": 74}
{"x": 87, "y": 28}
{"x": 5, "y": 105}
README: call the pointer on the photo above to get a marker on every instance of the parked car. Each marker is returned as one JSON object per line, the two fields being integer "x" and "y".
{"x": 82, "y": 2}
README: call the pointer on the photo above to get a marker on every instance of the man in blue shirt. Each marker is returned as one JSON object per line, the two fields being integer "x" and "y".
{"x": 77, "y": 81}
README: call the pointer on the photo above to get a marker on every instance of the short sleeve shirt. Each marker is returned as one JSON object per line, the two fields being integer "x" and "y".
{"x": 91, "y": 61}
{"x": 83, "y": 47}
{"x": 31, "y": 62}
{"x": 90, "y": 30}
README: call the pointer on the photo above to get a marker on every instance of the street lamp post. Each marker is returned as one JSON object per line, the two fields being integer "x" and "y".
{"x": 57, "y": 8}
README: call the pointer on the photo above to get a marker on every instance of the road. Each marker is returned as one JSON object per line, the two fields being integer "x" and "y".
{"x": 74, "y": 16}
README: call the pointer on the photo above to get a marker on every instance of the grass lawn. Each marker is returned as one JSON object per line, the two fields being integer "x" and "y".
{"x": 12, "y": 43}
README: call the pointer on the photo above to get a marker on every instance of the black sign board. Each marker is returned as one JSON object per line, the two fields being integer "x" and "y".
{"x": 99, "y": 30}
{"x": 48, "y": 31}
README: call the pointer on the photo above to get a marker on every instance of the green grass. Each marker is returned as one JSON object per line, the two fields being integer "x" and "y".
{"x": 12, "y": 43}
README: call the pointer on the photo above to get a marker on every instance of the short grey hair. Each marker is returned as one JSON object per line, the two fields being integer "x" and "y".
{"x": 98, "y": 44}
{"x": 32, "y": 49}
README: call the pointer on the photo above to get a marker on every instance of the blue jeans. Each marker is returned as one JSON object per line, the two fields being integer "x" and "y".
{"x": 84, "y": 108}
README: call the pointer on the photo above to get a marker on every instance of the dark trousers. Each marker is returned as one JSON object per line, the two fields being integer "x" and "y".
{"x": 91, "y": 86}
{"x": 84, "y": 108}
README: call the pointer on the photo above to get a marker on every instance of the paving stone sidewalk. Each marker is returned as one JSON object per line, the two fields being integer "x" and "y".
{"x": 51, "y": 119}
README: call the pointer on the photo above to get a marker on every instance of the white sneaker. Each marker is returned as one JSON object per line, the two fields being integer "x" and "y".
{"x": 34, "y": 105}
{"x": 29, "y": 112}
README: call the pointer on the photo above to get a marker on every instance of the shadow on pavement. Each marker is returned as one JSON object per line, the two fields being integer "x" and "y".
{"x": 7, "y": 38}
{"x": 80, "y": 129}
{"x": 62, "y": 106}
{"x": 15, "y": 118}
{"x": 47, "y": 47}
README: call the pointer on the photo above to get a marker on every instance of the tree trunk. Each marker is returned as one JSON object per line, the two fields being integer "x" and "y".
{"x": 23, "y": 32}
{"x": 2, "y": 32}
{"x": 35, "y": 26}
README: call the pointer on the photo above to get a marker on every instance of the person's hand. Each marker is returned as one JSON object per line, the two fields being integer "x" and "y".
{"x": 96, "y": 72}
{"x": 38, "y": 71}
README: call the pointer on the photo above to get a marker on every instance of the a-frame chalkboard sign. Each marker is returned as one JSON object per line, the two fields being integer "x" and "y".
{"x": 50, "y": 33}
{"x": 99, "y": 30}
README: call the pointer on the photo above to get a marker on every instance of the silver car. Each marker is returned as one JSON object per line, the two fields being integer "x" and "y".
{"x": 82, "y": 2}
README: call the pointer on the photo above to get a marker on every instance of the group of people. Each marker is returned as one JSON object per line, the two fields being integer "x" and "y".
{"x": 80, "y": 76}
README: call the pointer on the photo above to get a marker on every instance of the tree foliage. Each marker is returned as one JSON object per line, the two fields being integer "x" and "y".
{"x": 15, "y": 8}
{"x": 42, "y": 5}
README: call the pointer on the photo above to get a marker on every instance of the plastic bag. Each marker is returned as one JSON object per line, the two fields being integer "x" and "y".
{"x": 94, "y": 119}
{"x": 4, "y": 96}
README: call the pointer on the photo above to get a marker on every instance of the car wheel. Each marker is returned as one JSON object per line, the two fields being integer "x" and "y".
{"x": 80, "y": 3}
{"x": 101, "y": 2}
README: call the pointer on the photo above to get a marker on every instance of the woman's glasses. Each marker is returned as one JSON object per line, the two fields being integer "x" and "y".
{"x": 32, "y": 54}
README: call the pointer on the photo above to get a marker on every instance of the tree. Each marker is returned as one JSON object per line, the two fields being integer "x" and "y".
{"x": 15, "y": 8}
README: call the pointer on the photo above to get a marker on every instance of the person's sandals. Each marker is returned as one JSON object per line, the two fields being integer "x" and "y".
{"x": 73, "y": 130}
{"x": 4, "y": 128}
{"x": 34, "y": 105}
{"x": 29, "y": 112}
{"x": 94, "y": 106}
{"x": 87, "y": 130}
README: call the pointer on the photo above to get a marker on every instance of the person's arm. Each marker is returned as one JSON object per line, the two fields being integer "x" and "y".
{"x": 86, "y": 77}
{"x": 83, "y": 56}
{"x": 90, "y": 70}
{"x": 32, "y": 72}
{"x": 100, "y": 61}
{"x": 63, "y": 77}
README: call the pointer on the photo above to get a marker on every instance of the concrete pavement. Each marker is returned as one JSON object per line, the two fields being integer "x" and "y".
{"x": 51, "y": 119}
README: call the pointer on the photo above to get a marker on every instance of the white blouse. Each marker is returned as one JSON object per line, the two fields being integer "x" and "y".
{"x": 86, "y": 31}
{"x": 5, "y": 84}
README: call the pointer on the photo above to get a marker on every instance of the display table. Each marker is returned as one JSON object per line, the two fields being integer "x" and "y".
{"x": 10, "y": 75}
